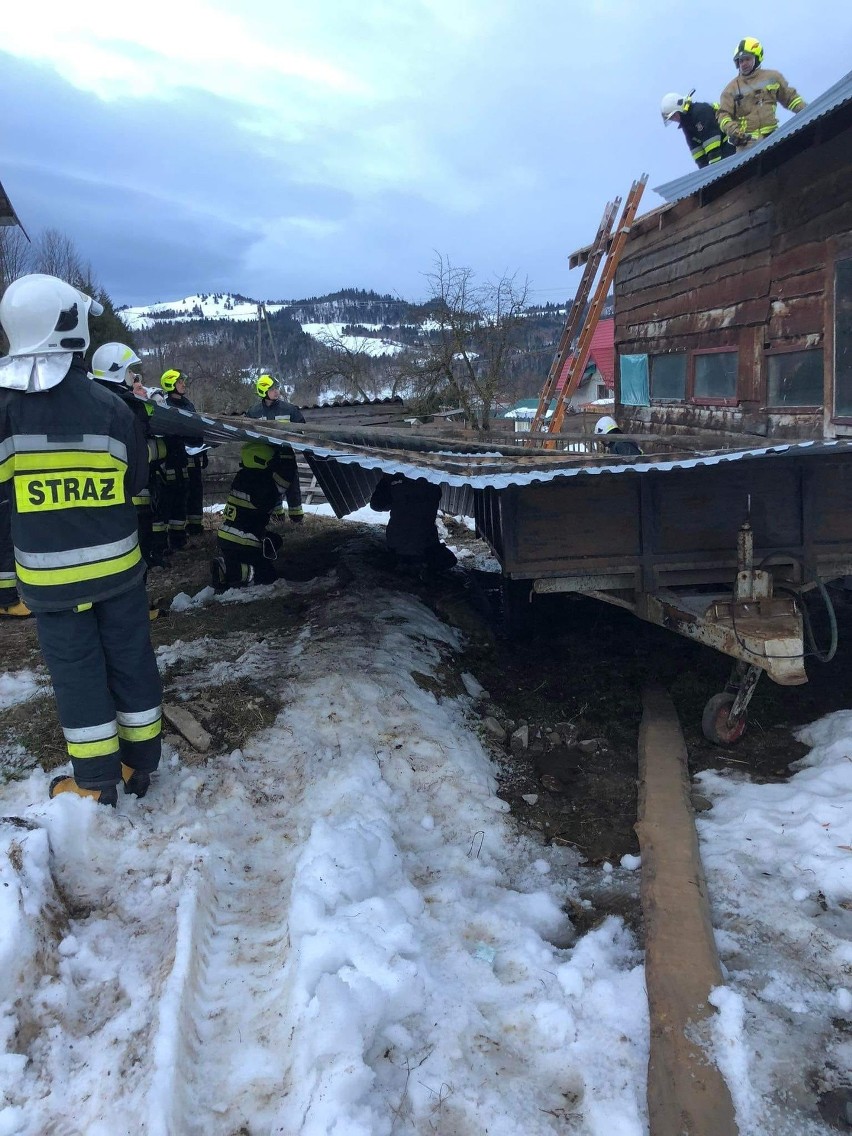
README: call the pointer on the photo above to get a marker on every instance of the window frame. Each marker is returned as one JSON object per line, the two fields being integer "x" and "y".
{"x": 799, "y": 407}
{"x": 668, "y": 400}
{"x": 712, "y": 401}
{"x": 844, "y": 419}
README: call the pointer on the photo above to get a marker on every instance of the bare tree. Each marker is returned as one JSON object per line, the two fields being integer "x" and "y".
{"x": 55, "y": 254}
{"x": 476, "y": 334}
{"x": 15, "y": 254}
{"x": 364, "y": 372}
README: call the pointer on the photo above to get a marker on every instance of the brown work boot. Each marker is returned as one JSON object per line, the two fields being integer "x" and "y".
{"x": 17, "y": 610}
{"x": 66, "y": 784}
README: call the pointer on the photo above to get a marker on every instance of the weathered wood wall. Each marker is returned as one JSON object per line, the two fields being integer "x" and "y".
{"x": 677, "y": 527}
{"x": 751, "y": 269}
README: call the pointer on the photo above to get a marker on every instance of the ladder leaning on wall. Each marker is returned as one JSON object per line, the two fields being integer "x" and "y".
{"x": 609, "y": 246}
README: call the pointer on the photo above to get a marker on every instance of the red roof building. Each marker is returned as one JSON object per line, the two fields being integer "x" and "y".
{"x": 602, "y": 354}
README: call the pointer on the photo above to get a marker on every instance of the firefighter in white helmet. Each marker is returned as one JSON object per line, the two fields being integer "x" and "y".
{"x": 607, "y": 431}
{"x": 701, "y": 131}
{"x": 72, "y": 456}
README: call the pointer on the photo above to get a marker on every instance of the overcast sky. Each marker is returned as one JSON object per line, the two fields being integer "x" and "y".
{"x": 284, "y": 150}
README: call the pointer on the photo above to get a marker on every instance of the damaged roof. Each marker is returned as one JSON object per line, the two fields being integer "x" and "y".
{"x": 348, "y": 466}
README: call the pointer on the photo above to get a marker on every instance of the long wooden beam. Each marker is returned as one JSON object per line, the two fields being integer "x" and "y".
{"x": 687, "y": 1095}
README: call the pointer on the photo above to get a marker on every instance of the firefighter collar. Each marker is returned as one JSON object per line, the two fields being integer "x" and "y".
{"x": 33, "y": 373}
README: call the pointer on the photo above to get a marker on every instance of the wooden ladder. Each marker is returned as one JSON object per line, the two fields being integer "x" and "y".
{"x": 575, "y": 314}
{"x": 581, "y": 354}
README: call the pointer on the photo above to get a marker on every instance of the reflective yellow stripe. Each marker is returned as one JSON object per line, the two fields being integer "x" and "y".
{"x": 80, "y": 572}
{"x": 237, "y": 537}
{"x": 796, "y": 102}
{"x": 140, "y": 733}
{"x": 93, "y": 749}
{"x": 38, "y": 460}
{"x": 240, "y": 501}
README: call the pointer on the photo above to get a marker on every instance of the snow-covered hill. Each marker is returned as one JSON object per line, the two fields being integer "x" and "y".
{"x": 211, "y": 305}
{"x": 324, "y": 319}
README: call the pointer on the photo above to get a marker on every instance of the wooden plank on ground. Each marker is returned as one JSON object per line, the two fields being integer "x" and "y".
{"x": 687, "y": 1095}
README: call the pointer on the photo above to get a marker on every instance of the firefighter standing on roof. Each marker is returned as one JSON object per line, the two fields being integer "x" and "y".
{"x": 72, "y": 457}
{"x": 700, "y": 129}
{"x": 747, "y": 105}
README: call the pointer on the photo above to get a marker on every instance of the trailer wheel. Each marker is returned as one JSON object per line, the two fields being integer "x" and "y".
{"x": 714, "y": 721}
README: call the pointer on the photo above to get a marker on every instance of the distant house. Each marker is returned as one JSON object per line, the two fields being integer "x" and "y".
{"x": 733, "y": 301}
{"x": 597, "y": 385}
{"x": 523, "y": 412}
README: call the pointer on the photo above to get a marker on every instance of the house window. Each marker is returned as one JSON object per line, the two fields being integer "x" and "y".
{"x": 795, "y": 379}
{"x": 715, "y": 376}
{"x": 668, "y": 376}
{"x": 843, "y": 339}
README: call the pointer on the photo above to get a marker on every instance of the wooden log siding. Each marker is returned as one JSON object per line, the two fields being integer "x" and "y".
{"x": 750, "y": 270}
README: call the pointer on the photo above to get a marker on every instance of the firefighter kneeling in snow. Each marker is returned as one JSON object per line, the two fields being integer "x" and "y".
{"x": 74, "y": 456}
{"x": 412, "y": 533}
{"x": 247, "y": 550}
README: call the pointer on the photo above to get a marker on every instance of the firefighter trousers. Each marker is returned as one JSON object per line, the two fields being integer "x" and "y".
{"x": 107, "y": 686}
{"x": 260, "y": 558}
{"x": 170, "y": 513}
{"x": 194, "y": 498}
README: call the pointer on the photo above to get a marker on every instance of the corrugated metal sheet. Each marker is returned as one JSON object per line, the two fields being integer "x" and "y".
{"x": 825, "y": 104}
{"x": 348, "y": 473}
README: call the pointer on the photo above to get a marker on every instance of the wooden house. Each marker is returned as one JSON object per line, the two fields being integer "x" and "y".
{"x": 733, "y": 301}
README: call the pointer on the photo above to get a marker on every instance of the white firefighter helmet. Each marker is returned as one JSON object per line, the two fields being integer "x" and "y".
{"x": 673, "y": 104}
{"x": 43, "y": 315}
{"x": 605, "y": 425}
{"x": 110, "y": 362}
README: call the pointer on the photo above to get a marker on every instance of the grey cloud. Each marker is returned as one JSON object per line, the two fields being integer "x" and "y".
{"x": 516, "y": 144}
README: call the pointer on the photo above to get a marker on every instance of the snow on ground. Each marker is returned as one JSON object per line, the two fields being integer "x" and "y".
{"x": 20, "y": 687}
{"x": 339, "y": 931}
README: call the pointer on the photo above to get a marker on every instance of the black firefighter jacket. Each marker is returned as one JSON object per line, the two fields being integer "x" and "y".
{"x": 278, "y": 410}
{"x": 413, "y": 506}
{"x": 704, "y": 136}
{"x": 255, "y": 496}
{"x": 72, "y": 458}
